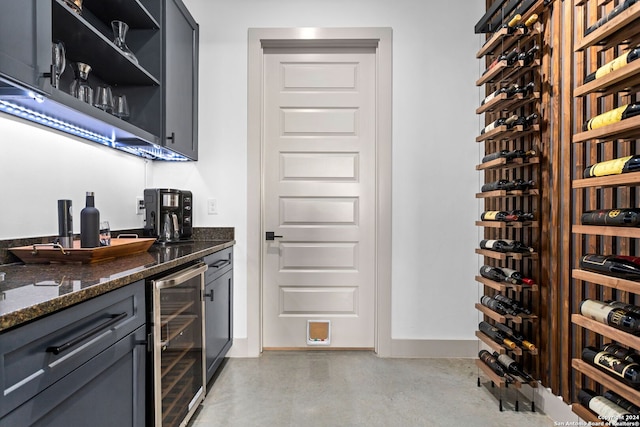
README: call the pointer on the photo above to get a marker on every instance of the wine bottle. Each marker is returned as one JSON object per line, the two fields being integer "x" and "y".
{"x": 528, "y": 56}
{"x": 615, "y": 12}
{"x": 90, "y": 223}
{"x": 494, "y": 273}
{"x": 505, "y": 245}
{"x": 513, "y": 367}
{"x": 514, "y": 336}
{"x": 611, "y": 265}
{"x": 514, "y": 215}
{"x": 509, "y": 155}
{"x": 627, "y": 372}
{"x": 512, "y": 24}
{"x": 509, "y": 90}
{"x": 528, "y": 24}
{"x": 496, "y": 335}
{"x": 496, "y": 306}
{"x": 524, "y": 121}
{"x": 623, "y": 353}
{"x": 510, "y": 58}
{"x": 606, "y": 409}
{"x": 624, "y": 306}
{"x": 512, "y": 304}
{"x": 618, "y": 318}
{"x": 516, "y": 275}
{"x": 625, "y": 217}
{"x": 613, "y": 116}
{"x": 526, "y": 89}
{"x": 613, "y": 167}
{"x": 622, "y": 402}
{"x": 614, "y": 65}
{"x": 499, "y": 122}
{"x": 490, "y": 360}
{"x": 503, "y": 184}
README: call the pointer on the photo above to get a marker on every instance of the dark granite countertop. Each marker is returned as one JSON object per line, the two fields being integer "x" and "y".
{"x": 30, "y": 291}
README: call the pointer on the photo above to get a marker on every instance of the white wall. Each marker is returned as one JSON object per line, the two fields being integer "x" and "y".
{"x": 434, "y": 152}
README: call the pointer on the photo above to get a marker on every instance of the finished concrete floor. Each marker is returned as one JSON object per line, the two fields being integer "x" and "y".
{"x": 356, "y": 388}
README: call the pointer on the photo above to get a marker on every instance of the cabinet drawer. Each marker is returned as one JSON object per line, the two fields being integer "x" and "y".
{"x": 36, "y": 355}
{"x": 219, "y": 263}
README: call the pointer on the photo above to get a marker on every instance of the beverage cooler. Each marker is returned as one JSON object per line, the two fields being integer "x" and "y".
{"x": 178, "y": 358}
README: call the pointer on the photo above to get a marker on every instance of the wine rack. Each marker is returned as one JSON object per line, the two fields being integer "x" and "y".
{"x": 616, "y": 88}
{"x": 527, "y": 139}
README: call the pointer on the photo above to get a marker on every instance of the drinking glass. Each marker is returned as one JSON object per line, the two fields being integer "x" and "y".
{"x": 120, "y": 107}
{"x": 80, "y": 86}
{"x": 104, "y": 99}
{"x": 59, "y": 62}
{"x": 105, "y": 233}
{"x": 76, "y": 5}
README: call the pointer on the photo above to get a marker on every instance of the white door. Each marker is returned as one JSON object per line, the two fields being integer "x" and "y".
{"x": 319, "y": 195}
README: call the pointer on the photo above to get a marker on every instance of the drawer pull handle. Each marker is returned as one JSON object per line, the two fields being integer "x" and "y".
{"x": 106, "y": 325}
{"x": 221, "y": 263}
{"x": 209, "y": 295}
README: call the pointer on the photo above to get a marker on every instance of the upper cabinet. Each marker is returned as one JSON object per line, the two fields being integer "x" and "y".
{"x": 180, "y": 81}
{"x": 104, "y": 71}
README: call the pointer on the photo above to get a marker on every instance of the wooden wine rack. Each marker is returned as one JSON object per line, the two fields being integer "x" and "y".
{"x": 609, "y": 192}
{"x": 529, "y": 232}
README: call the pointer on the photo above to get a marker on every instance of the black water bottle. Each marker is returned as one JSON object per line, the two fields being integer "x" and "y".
{"x": 90, "y": 224}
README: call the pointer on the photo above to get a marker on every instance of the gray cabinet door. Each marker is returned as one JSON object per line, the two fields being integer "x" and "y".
{"x": 180, "y": 80}
{"x": 218, "y": 320}
{"x": 25, "y": 42}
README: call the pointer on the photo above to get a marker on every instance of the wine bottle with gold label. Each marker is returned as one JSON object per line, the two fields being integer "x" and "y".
{"x": 624, "y": 217}
{"x": 622, "y": 352}
{"x": 627, "y": 372}
{"x": 616, "y": 115}
{"x": 614, "y": 65}
{"x": 613, "y": 167}
{"x": 496, "y": 335}
{"x": 618, "y": 318}
{"x": 516, "y": 337}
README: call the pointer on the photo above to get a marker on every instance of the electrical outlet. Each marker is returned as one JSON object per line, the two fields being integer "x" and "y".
{"x": 212, "y": 207}
{"x": 139, "y": 206}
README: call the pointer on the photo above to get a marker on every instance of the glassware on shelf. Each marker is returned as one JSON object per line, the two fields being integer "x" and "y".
{"x": 119, "y": 35}
{"x": 80, "y": 86}
{"x": 104, "y": 99}
{"x": 59, "y": 62}
{"x": 120, "y": 107}
{"x": 76, "y": 5}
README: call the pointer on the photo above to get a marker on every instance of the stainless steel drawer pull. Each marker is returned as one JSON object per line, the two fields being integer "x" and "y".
{"x": 221, "y": 263}
{"x": 115, "y": 318}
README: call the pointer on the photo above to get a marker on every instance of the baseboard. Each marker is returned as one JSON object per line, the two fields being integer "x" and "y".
{"x": 240, "y": 348}
{"x": 553, "y": 406}
{"x": 434, "y": 348}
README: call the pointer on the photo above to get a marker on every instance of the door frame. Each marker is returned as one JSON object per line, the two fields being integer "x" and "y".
{"x": 258, "y": 39}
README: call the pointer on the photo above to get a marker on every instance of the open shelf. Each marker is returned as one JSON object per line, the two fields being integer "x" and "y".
{"x": 632, "y": 232}
{"x": 602, "y": 329}
{"x": 506, "y": 225}
{"x": 610, "y": 32}
{"x": 619, "y": 80}
{"x": 497, "y": 380}
{"x": 607, "y": 380}
{"x": 495, "y": 346}
{"x": 502, "y": 72}
{"x": 585, "y": 414}
{"x": 608, "y": 281}
{"x": 632, "y": 178}
{"x": 504, "y": 103}
{"x": 502, "y": 256}
{"x": 502, "y": 133}
{"x": 624, "y": 129}
{"x": 502, "y": 163}
{"x": 502, "y": 318}
{"x": 505, "y": 193}
{"x": 503, "y": 286}
{"x": 503, "y": 41}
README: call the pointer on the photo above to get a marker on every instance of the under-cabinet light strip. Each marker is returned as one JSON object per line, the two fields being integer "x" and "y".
{"x": 152, "y": 152}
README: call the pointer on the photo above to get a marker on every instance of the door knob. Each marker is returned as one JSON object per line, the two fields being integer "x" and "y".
{"x": 270, "y": 235}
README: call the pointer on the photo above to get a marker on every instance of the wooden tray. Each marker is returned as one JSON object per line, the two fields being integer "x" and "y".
{"x": 42, "y": 254}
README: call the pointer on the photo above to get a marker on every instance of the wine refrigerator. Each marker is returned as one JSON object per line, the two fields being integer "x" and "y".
{"x": 178, "y": 345}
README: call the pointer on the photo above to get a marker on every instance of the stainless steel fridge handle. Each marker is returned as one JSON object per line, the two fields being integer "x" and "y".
{"x": 180, "y": 277}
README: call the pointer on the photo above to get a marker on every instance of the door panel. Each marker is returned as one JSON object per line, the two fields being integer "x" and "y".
{"x": 319, "y": 183}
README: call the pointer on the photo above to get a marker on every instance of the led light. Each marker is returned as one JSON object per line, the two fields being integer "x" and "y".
{"x": 151, "y": 152}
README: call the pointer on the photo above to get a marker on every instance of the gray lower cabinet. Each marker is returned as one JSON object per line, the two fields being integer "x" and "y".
{"x": 180, "y": 80}
{"x": 218, "y": 308}
{"x": 85, "y": 365}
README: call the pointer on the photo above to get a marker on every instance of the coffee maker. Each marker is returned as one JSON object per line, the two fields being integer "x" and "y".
{"x": 169, "y": 214}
